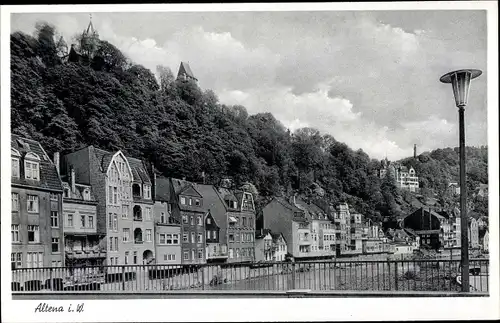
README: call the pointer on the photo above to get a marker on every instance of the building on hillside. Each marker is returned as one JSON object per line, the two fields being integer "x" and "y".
{"x": 454, "y": 188}
{"x": 88, "y": 45}
{"x": 283, "y": 216}
{"x": 185, "y": 73}
{"x": 189, "y": 210}
{"x": 216, "y": 251}
{"x": 482, "y": 190}
{"x": 122, "y": 187}
{"x": 428, "y": 225}
{"x": 167, "y": 229}
{"x": 83, "y": 245}
{"x": 241, "y": 218}
{"x": 36, "y": 194}
{"x": 323, "y": 242}
{"x": 216, "y": 223}
{"x": 405, "y": 178}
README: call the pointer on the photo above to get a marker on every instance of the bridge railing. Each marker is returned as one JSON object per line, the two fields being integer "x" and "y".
{"x": 338, "y": 275}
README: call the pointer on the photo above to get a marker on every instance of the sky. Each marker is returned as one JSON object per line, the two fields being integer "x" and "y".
{"x": 368, "y": 78}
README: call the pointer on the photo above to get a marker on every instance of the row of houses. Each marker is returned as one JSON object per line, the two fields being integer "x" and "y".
{"x": 94, "y": 207}
{"x": 442, "y": 228}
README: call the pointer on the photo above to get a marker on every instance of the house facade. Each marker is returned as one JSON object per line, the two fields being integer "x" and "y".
{"x": 283, "y": 216}
{"x": 36, "y": 195}
{"x": 122, "y": 188}
{"x": 405, "y": 178}
{"x": 215, "y": 250}
{"x": 270, "y": 246}
{"x": 167, "y": 230}
{"x": 189, "y": 210}
{"x": 83, "y": 245}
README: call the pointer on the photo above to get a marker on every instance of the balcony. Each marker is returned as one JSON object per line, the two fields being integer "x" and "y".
{"x": 86, "y": 252}
{"x": 305, "y": 242}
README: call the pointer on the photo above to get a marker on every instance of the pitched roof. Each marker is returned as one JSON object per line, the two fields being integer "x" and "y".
{"x": 162, "y": 189}
{"x": 139, "y": 169}
{"x": 184, "y": 67}
{"x": 49, "y": 177}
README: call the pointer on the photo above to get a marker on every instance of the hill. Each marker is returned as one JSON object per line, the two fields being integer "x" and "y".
{"x": 112, "y": 103}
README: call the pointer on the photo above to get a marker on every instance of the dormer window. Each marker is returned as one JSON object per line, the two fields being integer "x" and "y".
{"x": 183, "y": 200}
{"x": 86, "y": 194}
{"x": 31, "y": 166}
{"x": 66, "y": 192}
{"x": 15, "y": 163}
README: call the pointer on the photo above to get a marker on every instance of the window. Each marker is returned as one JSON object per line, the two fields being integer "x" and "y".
{"x": 148, "y": 213}
{"x": 148, "y": 234}
{"x": 207, "y": 234}
{"x": 200, "y": 253}
{"x": 115, "y": 222}
{"x": 192, "y": 254}
{"x": 69, "y": 220}
{"x": 34, "y": 259}
{"x": 244, "y": 221}
{"x": 192, "y": 237}
{"x": 209, "y": 221}
{"x": 175, "y": 239}
{"x": 115, "y": 195}
{"x": 186, "y": 255}
{"x": 214, "y": 235}
{"x": 110, "y": 243}
{"x": 124, "y": 211}
{"x": 162, "y": 217}
{"x": 200, "y": 237}
{"x": 199, "y": 220}
{"x": 231, "y": 237}
{"x": 183, "y": 200}
{"x": 116, "y": 243}
{"x": 86, "y": 194}
{"x": 190, "y": 201}
{"x": 147, "y": 192}
{"x": 33, "y": 234}
{"x": 16, "y": 260}
{"x": 126, "y": 257}
{"x": 15, "y": 201}
{"x": 55, "y": 245}
{"x": 66, "y": 192}
{"x": 135, "y": 257}
{"x": 32, "y": 204}
{"x": 185, "y": 219}
{"x": 162, "y": 238}
{"x": 237, "y": 252}
{"x": 237, "y": 237}
{"x": 31, "y": 169}
{"x": 14, "y": 230}
{"x": 197, "y": 202}
{"x": 110, "y": 194}
{"x": 54, "y": 219}
{"x": 15, "y": 167}
{"x": 231, "y": 254}
{"x": 91, "y": 222}
{"x": 82, "y": 218}
{"x": 126, "y": 235}
{"x": 192, "y": 220}
{"x": 54, "y": 197}
{"x": 184, "y": 237}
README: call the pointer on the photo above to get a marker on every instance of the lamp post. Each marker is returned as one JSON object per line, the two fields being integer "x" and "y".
{"x": 460, "y": 81}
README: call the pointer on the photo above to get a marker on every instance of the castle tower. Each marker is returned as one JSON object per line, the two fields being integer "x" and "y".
{"x": 185, "y": 73}
{"x": 89, "y": 41}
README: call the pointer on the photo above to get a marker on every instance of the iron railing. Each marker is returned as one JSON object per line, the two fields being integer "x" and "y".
{"x": 368, "y": 275}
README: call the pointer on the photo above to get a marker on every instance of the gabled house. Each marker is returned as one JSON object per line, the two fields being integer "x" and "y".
{"x": 215, "y": 250}
{"x": 428, "y": 225}
{"x": 122, "y": 188}
{"x": 283, "y": 216}
{"x": 36, "y": 195}
{"x": 270, "y": 246}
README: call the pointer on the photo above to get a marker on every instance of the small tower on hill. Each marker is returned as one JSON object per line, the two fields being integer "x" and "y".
{"x": 185, "y": 73}
{"x": 89, "y": 41}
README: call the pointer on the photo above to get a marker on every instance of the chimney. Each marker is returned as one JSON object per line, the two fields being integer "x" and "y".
{"x": 72, "y": 179}
{"x": 203, "y": 176}
{"x": 57, "y": 161}
{"x": 415, "y": 151}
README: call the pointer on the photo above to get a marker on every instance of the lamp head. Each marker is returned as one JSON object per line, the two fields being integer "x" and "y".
{"x": 460, "y": 81}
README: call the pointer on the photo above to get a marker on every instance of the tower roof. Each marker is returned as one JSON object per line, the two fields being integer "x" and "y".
{"x": 184, "y": 68}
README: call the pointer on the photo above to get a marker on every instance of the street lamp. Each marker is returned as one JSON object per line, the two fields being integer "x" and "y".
{"x": 460, "y": 81}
